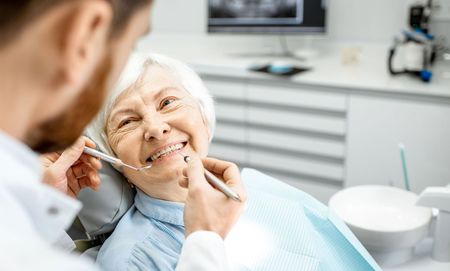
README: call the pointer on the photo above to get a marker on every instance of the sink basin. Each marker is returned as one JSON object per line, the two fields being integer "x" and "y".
{"x": 385, "y": 220}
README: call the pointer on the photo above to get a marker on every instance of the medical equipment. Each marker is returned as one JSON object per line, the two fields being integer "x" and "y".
{"x": 412, "y": 54}
{"x": 112, "y": 160}
{"x": 211, "y": 178}
{"x": 419, "y": 16}
{"x": 439, "y": 198}
{"x": 404, "y": 167}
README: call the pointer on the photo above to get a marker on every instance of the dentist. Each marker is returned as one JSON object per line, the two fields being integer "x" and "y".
{"x": 57, "y": 60}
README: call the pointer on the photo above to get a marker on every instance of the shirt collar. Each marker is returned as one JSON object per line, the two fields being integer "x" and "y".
{"x": 162, "y": 210}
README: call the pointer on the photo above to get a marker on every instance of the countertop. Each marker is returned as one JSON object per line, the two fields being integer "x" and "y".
{"x": 221, "y": 57}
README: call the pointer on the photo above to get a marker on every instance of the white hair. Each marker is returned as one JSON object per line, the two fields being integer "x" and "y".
{"x": 133, "y": 75}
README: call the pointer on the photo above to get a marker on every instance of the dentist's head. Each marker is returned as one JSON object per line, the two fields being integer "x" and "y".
{"x": 57, "y": 63}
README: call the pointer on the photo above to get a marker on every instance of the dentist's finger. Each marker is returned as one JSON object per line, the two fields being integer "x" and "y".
{"x": 195, "y": 173}
{"x": 88, "y": 142}
{"x": 91, "y": 160}
{"x": 228, "y": 172}
{"x": 92, "y": 182}
{"x": 91, "y": 178}
{"x": 70, "y": 156}
{"x": 83, "y": 176}
{"x": 79, "y": 170}
{"x": 184, "y": 183}
{"x": 73, "y": 185}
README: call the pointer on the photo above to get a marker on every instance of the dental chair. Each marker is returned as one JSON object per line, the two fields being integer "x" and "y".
{"x": 329, "y": 244}
{"x": 101, "y": 211}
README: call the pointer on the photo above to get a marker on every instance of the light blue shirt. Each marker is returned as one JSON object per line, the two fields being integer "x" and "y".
{"x": 148, "y": 237}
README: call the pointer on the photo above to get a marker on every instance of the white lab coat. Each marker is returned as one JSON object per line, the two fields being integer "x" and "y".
{"x": 33, "y": 218}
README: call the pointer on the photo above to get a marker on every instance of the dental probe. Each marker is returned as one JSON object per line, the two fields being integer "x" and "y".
{"x": 212, "y": 179}
{"x": 112, "y": 160}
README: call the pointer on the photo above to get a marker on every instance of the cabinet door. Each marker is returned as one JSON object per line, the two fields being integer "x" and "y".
{"x": 377, "y": 126}
{"x": 229, "y": 141}
{"x": 298, "y": 135}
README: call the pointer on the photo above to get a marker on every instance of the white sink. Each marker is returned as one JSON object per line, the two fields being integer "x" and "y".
{"x": 385, "y": 220}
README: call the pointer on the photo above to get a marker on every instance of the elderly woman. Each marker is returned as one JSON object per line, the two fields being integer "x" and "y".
{"x": 160, "y": 112}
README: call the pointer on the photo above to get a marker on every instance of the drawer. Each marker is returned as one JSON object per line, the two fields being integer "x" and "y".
{"x": 227, "y": 152}
{"x": 300, "y": 121}
{"x": 290, "y": 142}
{"x": 230, "y": 132}
{"x": 226, "y": 89}
{"x": 296, "y": 165}
{"x": 233, "y": 112}
{"x": 297, "y": 97}
{"x": 230, "y": 112}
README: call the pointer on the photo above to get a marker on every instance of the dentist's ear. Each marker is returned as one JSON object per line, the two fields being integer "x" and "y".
{"x": 84, "y": 40}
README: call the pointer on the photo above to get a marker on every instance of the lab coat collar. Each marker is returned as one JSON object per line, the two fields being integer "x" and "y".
{"x": 162, "y": 210}
{"x": 49, "y": 211}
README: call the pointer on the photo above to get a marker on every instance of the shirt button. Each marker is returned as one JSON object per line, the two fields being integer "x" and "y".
{"x": 52, "y": 210}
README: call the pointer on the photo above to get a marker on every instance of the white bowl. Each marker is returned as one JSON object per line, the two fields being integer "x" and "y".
{"x": 385, "y": 220}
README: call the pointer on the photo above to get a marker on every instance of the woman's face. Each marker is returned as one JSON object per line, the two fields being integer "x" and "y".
{"x": 156, "y": 122}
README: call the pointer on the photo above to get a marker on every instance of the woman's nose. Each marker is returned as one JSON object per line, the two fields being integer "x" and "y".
{"x": 156, "y": 128}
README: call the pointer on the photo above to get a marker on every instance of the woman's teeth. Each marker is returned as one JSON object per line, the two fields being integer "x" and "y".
{"x": 167, "y": 151}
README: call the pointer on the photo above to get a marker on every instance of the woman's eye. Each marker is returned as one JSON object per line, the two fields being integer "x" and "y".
{"x": 167, "y": 101}
{"x": 125, "y": 122}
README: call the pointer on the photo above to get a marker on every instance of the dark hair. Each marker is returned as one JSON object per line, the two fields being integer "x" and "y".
{"x": 15, "y": 15}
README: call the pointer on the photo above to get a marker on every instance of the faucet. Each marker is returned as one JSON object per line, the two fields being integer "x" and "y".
{"x": 439, "y": 198}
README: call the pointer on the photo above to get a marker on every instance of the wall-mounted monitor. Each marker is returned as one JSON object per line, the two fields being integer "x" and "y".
{"x": 267, "y": 16}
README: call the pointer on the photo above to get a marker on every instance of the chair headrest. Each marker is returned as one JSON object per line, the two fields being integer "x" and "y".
{"x": 103, "y": 209}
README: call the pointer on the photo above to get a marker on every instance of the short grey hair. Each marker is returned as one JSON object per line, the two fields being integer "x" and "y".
{"x": 133, "y": 74}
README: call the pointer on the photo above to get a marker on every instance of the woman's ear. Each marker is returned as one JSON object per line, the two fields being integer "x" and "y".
{"x": 209, "y": 135}
{"x": 206, "y": 123}
{"x": 208, "y": 130}
{"x": 84, "y": 39}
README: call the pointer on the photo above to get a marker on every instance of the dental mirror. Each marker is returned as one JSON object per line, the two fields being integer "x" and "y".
{"x": 112, "y": 160}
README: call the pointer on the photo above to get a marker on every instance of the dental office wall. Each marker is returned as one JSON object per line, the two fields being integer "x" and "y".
{"x": 348, "y": 21}
{"x": 355, "y": 20}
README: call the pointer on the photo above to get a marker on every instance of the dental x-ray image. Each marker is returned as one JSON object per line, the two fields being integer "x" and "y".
{"x": 256, "y": 11}
{"x": 267, "y": 16}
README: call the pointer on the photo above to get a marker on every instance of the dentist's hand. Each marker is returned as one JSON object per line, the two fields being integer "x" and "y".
{"x": 207, "y": 208}
{"x": 72, "y": 170}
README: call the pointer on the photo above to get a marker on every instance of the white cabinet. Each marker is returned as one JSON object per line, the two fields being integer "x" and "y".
{"x": 297, "y": 97}
{"x": 230, "y": 136}
{"x": 294, "y": 134}
{"x": 321, "y": 139}
{"x": 279, "y": 139}
{"x": 377, "y": 125}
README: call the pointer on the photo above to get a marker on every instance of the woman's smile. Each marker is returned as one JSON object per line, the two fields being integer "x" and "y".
{"x": 166, "y": 153}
